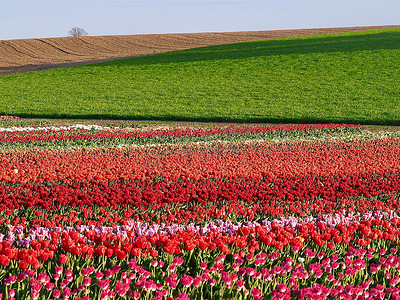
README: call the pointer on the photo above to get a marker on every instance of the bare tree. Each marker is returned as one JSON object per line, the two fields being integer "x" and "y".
{"x": 76, "y": 31}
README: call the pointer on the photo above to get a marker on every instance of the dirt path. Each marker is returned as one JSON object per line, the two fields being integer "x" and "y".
{"x": 47, "y": 53}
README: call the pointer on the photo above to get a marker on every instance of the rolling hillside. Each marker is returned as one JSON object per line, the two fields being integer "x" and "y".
{"x": 343, "y": 78}
{"x": 45, "y": 53}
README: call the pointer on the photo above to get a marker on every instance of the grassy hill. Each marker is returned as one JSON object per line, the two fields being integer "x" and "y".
{"x": 346, "y": 77}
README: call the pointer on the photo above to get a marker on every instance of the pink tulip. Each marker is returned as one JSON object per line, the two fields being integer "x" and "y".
{"x": 257, "y": 292}
{"x": 43, "y": 277}
{"x": 239, "y": 284}
{"x": 177, "y": 261}
{"x": 220, "y": 258}
{"x": 109, "y": 273}
{"x": 20, "y": 277}
{"x": 116, "y": 269}
{"x": 36, "y": 287}
{"x": 11, "y": 293}
{"x": 149, "y": 285}
{"x": 56, "y": 293}
{"x": 121, "y": 288}
{"x": 154, "y": 263}
{"x": 49, "y": 286}
{"x": 183, "y": 296}
{"x": 250, "y": 271}
{"x": 203, "y": 266}
{"x": 10, "y": 280}
{"x": 394, "y": 281}
{"x": 84, "y": 272}
{"x": 135, "y": 295}
{"x": 282, "y": 288}
{"x": 104, "y": 295}
{"x": 197, "y": 281}
{"x": 212, "y": 281}
{"x": 66, "y": 292}
{"x": 172, "y": 268}
{"x": 29, "y": 273}
{"x": 104, "y": 284}
{"x": 186, "y": 280}
{"x": 249, "y": 257}
{"x": 273, "y": 256}
{"x": 205, "y": 277}
{"x": 87, "y": 281}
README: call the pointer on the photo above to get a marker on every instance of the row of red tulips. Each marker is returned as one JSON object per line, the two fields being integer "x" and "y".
{"x": 248, "y": 161}
{"x": 185, "y": 201}
{"x": 89, "y": 242}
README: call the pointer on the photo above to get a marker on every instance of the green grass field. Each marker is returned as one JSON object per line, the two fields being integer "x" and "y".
{"x": 348, "y": 77}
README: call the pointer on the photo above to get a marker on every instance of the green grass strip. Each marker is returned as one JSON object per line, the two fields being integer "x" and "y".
{"x": 341, "y": 78}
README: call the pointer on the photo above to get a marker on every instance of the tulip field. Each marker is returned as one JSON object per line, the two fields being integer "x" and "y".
{"x": 230, "y": 211}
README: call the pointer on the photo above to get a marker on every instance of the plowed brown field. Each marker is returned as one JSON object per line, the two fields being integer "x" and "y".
{"x": 46, "y": 53}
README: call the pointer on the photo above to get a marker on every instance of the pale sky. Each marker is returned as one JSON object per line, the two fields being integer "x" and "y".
{"x": 54, "y": 18}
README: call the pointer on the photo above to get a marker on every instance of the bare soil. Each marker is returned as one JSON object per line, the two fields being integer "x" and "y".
{"x": 46, "y": 53}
